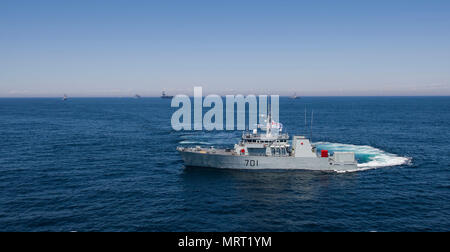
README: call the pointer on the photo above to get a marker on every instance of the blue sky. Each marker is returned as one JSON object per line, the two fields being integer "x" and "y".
{"x": 119, "y": 48}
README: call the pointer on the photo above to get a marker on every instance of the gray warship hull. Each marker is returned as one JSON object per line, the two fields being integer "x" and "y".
{"x": 224, "y": 160}
{"x": 270, "y": 150}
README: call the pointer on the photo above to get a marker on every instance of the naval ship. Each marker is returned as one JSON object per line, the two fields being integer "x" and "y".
{"x": 164, "y": 96}
{"x": 267, "y": 147}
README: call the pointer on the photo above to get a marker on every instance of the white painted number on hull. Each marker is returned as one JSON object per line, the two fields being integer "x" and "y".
{"x": 251, "y": 162}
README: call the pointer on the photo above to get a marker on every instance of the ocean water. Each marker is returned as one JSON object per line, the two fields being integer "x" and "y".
{"x": 110, "y": 164}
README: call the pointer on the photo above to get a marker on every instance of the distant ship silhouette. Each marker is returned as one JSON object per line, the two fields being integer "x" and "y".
{"x": 294, "y": 97}
{"x": 164, "y": 96}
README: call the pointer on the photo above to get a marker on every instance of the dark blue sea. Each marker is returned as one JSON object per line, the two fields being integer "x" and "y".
{"x": 110, "y": 164}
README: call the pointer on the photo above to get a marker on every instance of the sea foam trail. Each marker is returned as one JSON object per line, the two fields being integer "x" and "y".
{"x": 368, "y": 157}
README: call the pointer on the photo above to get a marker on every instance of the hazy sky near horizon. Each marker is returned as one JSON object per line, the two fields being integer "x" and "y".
{"x": 120, "y": 48}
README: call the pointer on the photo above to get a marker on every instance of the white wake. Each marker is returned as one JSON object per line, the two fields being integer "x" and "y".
{"x": 368, "y": 157}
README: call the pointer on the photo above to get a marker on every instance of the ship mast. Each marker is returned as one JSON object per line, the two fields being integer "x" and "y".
{"x": 269, "y": 118}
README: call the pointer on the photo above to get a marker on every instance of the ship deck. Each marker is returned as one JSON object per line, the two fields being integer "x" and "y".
{"x": 225, "y": 152}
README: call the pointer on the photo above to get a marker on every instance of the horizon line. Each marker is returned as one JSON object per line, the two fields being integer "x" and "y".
{"x": 191, "y": 96}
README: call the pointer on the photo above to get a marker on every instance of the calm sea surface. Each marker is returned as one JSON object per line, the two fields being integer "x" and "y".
{"x": 110, "y": 164}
